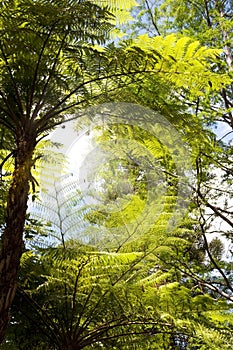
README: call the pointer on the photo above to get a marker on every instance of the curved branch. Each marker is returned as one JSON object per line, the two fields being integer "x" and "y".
{"x": 9, "y": 113}
{"x": 37, "y": 66}
{"x": 213, "y": 260}
{"x": 152, "y": 17}
{"x": 50, "y": 76}
{"x": 42, "y": 314}
{"x": 214, "y": 208}
{"x": 5, "y": 160}
{"x": 99, "y": 334}
{"x": 18, "y": 99}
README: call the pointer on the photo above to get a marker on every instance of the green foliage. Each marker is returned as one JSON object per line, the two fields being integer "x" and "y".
{"x": 51, "y": 54}
{"x": 81, "y": 297}
{"x": 85, "y": 298}
{"x": 181, "y": 61}
{"x": 148, "y": 287}
{"x": 120, "y": 8}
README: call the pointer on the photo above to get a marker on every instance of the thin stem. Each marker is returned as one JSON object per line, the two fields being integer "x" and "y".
{"x": 19, "y": 102}
{"x": 152, "y": 17}
{"x": 37, "y": 67}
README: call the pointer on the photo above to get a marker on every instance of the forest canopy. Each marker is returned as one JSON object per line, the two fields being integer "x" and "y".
{"x": 127, "y": 244}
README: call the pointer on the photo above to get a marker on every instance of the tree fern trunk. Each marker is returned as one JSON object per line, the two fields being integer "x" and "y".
{"x": 12, "y": 239}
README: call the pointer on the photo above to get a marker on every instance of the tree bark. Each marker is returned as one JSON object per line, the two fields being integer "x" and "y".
{"x": 12, "y": 238}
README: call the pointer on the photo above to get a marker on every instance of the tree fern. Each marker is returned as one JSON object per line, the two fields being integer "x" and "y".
{"x": 121, "y": 9}
{"x": 183, "y": 62}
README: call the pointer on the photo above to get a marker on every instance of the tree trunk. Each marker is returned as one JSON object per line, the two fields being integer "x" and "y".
{"x": 12, "y": 239}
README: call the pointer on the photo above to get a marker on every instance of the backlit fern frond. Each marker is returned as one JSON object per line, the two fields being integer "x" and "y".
{"x": 180, "y": 61}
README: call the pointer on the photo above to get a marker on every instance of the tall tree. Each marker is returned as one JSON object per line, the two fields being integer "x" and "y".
{"x": 45, "y": 51}
{"x": 210, "y": 22}
{"x": 50, "y": 66}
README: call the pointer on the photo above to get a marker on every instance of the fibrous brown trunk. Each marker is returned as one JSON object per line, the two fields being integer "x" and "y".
{"x": 12, "y": 239}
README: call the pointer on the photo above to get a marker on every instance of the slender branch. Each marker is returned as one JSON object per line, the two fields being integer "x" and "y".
{"x": 132, "y": 265}
{"x": 204, "y": 200}
{"x": 37, "y": 66}
{"x": 50, "y": 76}
{"x": 19, "y": 102}
{"x": 152, "y": 17}
{"x": 42, "y": 314}
{"x": 43, "y": 122}
{"x": 74, "y": 297}
{"x": 101, "y": 298}
{"x": 213, "y": 260}
{"x": 207, "y": 14}
{"x": 31, "y": 319}
{"x": 103, "y": 328}
{"x": 4, "y": 161}
{"x": 53, "y": 112}
{"x": 79, "y": 329}
{"x": 7, "y": 125}
{"x": 103, "y": 336}
{"x": 228, "y": 133}
{"x": 203, "y": 282}
{"x": 187, "y": 271}
{"x": 221, "y": 166}
{"x": 226, "y": 211}
{"x": 214, "y": 208}
{"x": 9, "y": 113}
